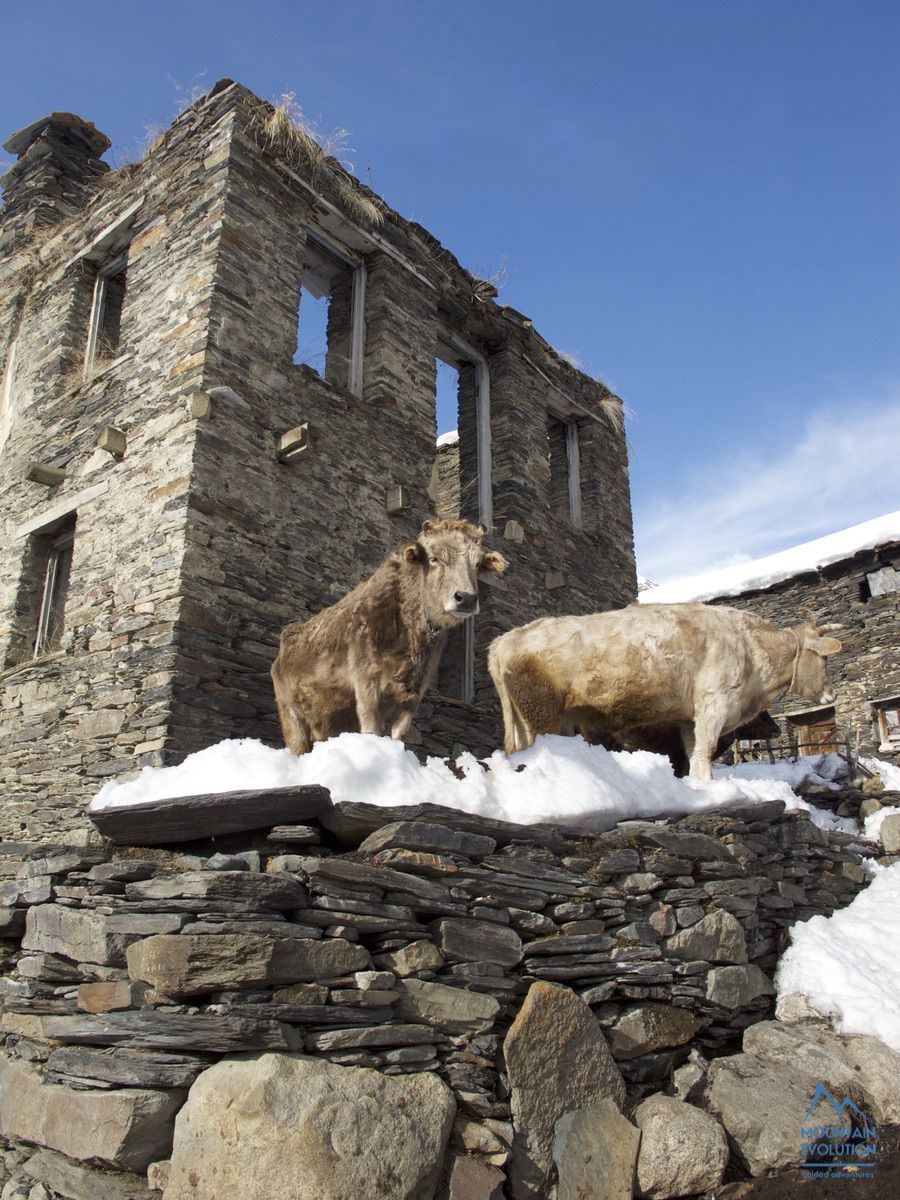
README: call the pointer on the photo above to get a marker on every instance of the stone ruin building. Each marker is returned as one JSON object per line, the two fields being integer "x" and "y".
{"x": 182, "y": 474}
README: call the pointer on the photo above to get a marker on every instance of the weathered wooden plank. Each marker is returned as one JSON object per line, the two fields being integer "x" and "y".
{"x": 191, "y": 818}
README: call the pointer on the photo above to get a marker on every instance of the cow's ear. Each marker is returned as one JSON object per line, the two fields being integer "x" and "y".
{"x": 413, "y": 552}
{"x": 823, "y": 645}
{"x": 493, "y": 560}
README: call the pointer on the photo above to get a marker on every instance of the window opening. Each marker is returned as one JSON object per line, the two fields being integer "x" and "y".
{"x": 461, "y": 481}
{"x": 565, "y": 469}
{"x": 887, "y": 716}
{"x": 57, "y": 566}
{"x": 106, "y": 311}
{"x": 330, "y": 315}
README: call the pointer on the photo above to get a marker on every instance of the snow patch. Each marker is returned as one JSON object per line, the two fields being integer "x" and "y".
{"x": 847, "y": 965}
{"x": 762, "y": 573}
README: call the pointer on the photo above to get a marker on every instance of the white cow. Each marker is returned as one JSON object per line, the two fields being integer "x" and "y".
{"x": 704, "y": 669}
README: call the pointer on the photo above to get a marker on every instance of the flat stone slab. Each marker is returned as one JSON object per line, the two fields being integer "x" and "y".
{"x": 212, "y": 1032}
{"x": 128, "y": 1128}
{"x": 79, "y": 1182}
{"x": 190, "y": 966}
{"x": 126, "y": 1068}
{"x": 191, "y": 818}
{"x": 352, "y": 822}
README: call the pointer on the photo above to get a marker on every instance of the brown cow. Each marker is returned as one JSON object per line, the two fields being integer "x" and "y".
{"x": 704, "y": 669}
{"x": 364, "y": 663}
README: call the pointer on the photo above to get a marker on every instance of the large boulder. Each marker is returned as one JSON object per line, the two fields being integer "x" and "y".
{"x": 557, "y": 1061}
{"x": 862, "y": 1062}
{"x": 277, "y": 1125}
{"x": 595, "y": 1150}
{"x": 683, "y": 1150}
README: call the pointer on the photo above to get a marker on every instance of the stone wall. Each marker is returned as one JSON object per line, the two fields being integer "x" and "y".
{"x": 400, "y": 942}
{"x": 195, "y": 541}
{"x": 868, "y": 667}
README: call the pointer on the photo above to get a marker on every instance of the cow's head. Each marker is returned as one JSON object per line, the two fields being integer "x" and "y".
{"x": 451, "y": 558}
{"x": 810, "y": 677}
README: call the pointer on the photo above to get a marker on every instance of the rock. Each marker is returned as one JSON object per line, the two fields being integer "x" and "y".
{"x": 683, "y": 1150}
{"x": 428, "y": 836}
{"x": 595, "y": 1150}
{"x": 189, "y": 966}
{"x": 376, "y": 1035}
{"x": 864, "y": 1062}
{"x": 126, "y": 1129}
{"x": 890, "y": 834}
{"x": 158, "y": 1175}
{"x": 763, "y": 1103}
{"x": 465, "y": 940}
{"x": 469, "y": 1178}
{"x": 409, "y": 960}
{"x": 127, "y": 1068}
{"x": 450, "y": 1009}
{"x": 258, "y": 890}
{"x": 717, "y": 938}
{"x": 317, "y": 1132}
{"x": 545, "y": 1085}
{"x": 86, "y": 936}
{"x": 157, "y": 1030}
{"x": 110, "y": 997}
{"x": 733, "y": 987}
{"x": 78, "y": 1182}
{"x": 651, "y": 1027}
{"x": 688, "y": 1077}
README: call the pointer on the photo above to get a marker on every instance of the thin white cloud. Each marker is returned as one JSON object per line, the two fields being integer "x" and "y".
{"x": 842, "y": 468}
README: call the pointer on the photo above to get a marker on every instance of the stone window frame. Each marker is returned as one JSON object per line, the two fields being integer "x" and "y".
{"x": 357, "y": 332}
{"x": 886, "y": 716}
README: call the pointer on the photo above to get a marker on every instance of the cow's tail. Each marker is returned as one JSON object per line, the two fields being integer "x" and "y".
{"x": 516, "y": 734}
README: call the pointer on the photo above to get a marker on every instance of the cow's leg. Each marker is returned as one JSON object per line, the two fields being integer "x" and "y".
{"x": 368, "y": 708}
{"x": 295, "y": 727}
{"x": 700, "y": 743}
{"x": 402, "y": 720}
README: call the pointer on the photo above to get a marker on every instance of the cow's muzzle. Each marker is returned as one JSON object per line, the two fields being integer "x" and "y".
{"x": 464, "y": 603}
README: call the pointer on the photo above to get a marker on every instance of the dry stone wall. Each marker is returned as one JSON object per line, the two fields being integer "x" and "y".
{"x": 501, "y": 960}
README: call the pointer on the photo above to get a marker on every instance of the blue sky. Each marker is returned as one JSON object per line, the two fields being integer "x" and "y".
{"x": 696, "y": 198}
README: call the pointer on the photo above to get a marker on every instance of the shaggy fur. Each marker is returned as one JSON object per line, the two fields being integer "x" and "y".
{"x": 364, "y": 663}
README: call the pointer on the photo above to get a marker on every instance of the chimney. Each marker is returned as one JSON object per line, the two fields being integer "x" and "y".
{"x": 56, "y": 172}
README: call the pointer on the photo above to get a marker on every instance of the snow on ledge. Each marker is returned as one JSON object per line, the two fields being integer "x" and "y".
{"x": 774, "y": 568}
{"x": 450, "y": 438}
{"x": 559, "y": 780}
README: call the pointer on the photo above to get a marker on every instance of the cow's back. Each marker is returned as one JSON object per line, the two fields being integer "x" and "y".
{"x": 643, "y": 663}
